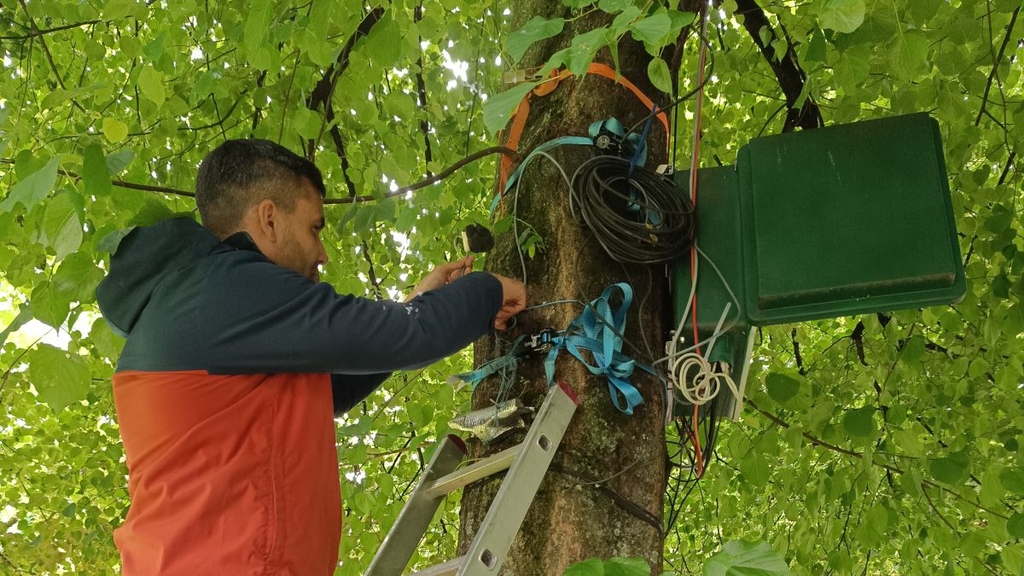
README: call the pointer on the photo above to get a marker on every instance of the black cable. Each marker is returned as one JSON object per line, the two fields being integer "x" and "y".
{"x": 639, "y": 217}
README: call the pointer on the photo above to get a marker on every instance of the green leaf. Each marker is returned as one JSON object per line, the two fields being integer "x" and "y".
{"x": 841, "y": 15}
{"x": 62, "y": 226}
{"x": 109, "y": 243}
{"x": 591, "y": 567}
{"x": 536, "y": 29}
{"x": 860, "y": 422}
{"x": 652, "y": 29}
{"x": 754, "y": 468}
{"x": 151, "y": 212}
{"x": 151, "y": 83}
{"x": 1000, "y": 220}
{"x": 781, "y": 387}
{"x": 107, "y": 343}
{"x": 657, "y": 71}
{"x": 614, "y": 6}
{"x": 499, "y": 108}
{"x": 61, "y": 379}
{"x": 117, "y": 9}
{"x": 30, "y": 190}
{"x": 680, "y": 19}
{"x": 952, "y": 470}
{"x": 384, "y": 42}
{"x": 910, "y": 54}
{"x": 580, "y": 54}
{"x": 1013, "y": 480}
{"x": 118, "y": 161}
{"x": 1015, "y": 525}
{"x": 155, "y": 49}
{"x": 743, "y": 558}
{"x": 114, "y": 130}
{"x": 95, "y": 174}
{"x": 78, "y": 276}
{"x": 626, "y": 567}
{"x": 24, "y": 315}
{"x": 50, "y": 303}
{"x": 815, "y": 47}
{"x": 256, "y": 25}
{"x": 577, "y": 3}
{"x": 623, "y": 21}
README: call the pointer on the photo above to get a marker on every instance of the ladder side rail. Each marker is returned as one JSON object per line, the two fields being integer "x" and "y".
{"x": 399, "y": 545}
{"x": 507, "y": 511}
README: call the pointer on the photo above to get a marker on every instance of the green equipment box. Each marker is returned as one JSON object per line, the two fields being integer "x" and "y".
{"x": 822, "y": 223}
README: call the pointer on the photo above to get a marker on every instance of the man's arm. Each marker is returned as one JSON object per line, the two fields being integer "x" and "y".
{"x": 258, "y": 317}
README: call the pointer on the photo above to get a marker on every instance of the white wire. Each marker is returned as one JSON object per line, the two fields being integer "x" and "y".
{"x": 515, "y": 201}
{"x": 690, "y": 375}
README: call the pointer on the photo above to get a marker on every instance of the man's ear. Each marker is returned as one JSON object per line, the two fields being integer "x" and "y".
{"x": 266, "y": 215}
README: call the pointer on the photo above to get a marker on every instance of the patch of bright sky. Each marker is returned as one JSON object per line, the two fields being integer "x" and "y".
{"x": 35, "y": 331}
{"x": 460, "y": 68}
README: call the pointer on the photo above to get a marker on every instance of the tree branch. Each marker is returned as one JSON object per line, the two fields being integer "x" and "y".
{"x": 428, "y": 181}
{"x": 787, "y": 69}
{"x": 372, "y": 272}
{"x": 46, "y": 51}
{"x": 322, "y": 93}
{"x": 421, "y": 92}
{"x": 822, "y": 444}
{"x": 931, "y": 504}
{"x": 995, "y": 65}
{"x": 257, "y": 114}
{"x": 122, "y": 183}
{"x": 36, "y": 32}
{"x": 796, "y": 354}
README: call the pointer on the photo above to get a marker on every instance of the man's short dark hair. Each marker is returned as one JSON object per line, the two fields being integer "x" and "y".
{"x": 239, "y": 174}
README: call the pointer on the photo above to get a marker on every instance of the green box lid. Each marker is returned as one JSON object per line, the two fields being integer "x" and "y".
{"x": 846, "y": 220}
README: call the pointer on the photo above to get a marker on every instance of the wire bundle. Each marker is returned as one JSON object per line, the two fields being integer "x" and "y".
{"x": 639, "y": 217}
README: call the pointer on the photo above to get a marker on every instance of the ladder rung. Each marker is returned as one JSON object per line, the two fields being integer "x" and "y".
{"x": 480, "y": 469}
{"x": 447, "y": 569}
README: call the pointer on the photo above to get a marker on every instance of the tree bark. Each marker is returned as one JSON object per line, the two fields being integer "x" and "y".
{"x": 603, "y": 495}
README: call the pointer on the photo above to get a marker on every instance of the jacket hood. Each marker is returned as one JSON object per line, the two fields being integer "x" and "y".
{"x": 142, "y": 258}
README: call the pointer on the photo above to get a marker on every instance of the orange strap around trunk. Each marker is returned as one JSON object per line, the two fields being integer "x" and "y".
{"x": 546, "y": 87}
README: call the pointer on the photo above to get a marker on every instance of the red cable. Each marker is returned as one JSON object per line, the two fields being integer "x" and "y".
{"x": 695, "y": 433}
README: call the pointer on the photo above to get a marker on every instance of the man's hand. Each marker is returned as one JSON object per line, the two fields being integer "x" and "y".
{"x": 513, "y": 298}
{"x": 443, "y": 274}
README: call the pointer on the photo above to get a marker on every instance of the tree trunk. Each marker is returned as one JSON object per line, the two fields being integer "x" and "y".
{"x": 603, "y": 496}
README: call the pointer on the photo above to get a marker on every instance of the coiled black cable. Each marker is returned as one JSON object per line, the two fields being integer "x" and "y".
{"x": 639, "y": 217}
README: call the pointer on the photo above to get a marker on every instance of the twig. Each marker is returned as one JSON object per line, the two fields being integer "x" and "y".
{"x": 421, "y": 91}
{"x": 46, "y": 51}
{"x": 373, "y": 273}
{"x": 790, "y": 76}
{"x": 822, "y": 444}
{"x": 936, "y": 510}
{"x": 995, "y": 65}
{"x": 433, "y": 179}
{"x": 122, "y": 183}
{"x": 35, "y": 32}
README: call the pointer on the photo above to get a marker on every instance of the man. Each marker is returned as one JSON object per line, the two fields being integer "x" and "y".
{"x": 237, "y": 360}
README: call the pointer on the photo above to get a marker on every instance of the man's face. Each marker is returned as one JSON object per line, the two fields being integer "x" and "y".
{"x": 300, "y": 248}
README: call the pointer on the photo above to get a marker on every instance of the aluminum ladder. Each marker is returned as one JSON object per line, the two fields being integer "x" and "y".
{"x": 527, "y": 463}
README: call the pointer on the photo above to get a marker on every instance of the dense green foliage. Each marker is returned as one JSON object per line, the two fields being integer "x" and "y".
{"x": 869, "y": 445}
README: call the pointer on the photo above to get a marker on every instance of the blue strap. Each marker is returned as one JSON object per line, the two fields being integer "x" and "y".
{"x": 597, "y": 331}
{"x": 560, "y": 141}
{"x": 611, "y": 125}
{"x": 493, "y": 366}
{"x": 640, "y": 156}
